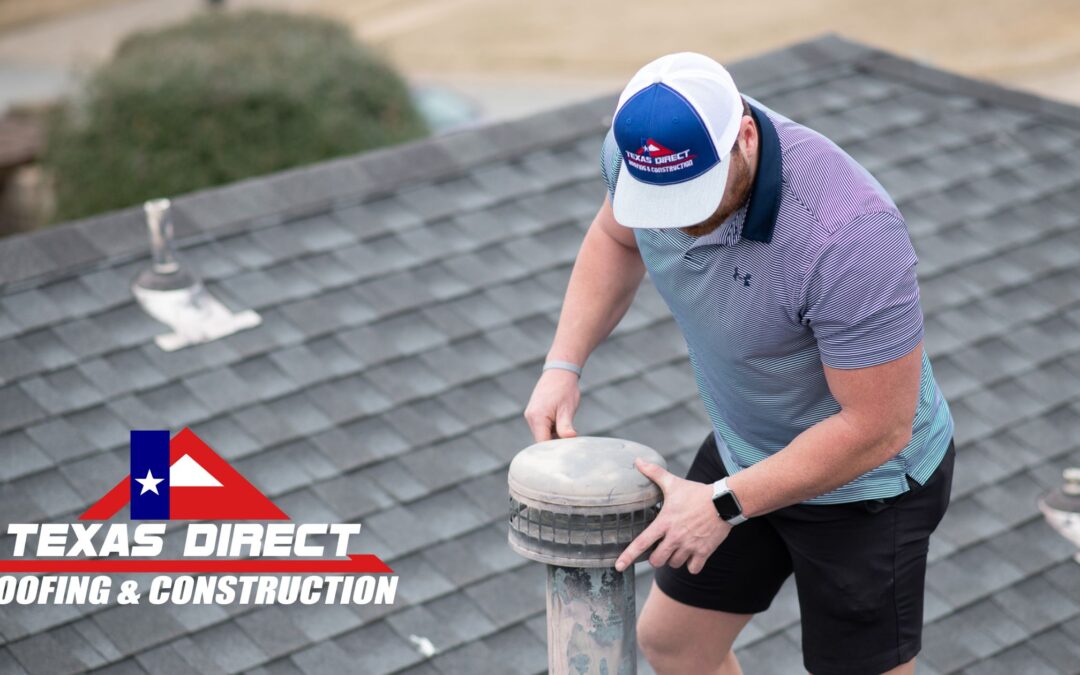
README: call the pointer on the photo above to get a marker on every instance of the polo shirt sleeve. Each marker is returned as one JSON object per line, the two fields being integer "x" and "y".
{"x": 610, "y": 162}
{"x": 861, "y": 294}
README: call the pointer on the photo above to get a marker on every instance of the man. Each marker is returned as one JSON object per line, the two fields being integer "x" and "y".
{"x": 792, "y": 277}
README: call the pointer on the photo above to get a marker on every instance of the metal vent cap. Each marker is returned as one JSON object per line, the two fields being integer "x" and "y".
{"x": 578, "y": 502}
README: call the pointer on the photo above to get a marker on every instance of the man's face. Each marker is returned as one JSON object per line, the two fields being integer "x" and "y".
{"x": 736, "y": 192}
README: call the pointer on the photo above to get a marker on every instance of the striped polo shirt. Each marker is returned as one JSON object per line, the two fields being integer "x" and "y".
{"x": 817, "y": 267}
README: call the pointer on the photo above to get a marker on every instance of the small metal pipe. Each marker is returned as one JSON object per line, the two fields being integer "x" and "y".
{"x": 1061, "y": 507}
{"x": 591, "y": 620}
{"x": 1071, "y": 476}
{"x": 159, "y": 222}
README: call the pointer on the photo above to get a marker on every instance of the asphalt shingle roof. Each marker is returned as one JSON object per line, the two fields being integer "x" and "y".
{"x": 408, "y": 296}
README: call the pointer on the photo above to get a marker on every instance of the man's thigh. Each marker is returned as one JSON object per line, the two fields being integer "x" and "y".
{"x": 860, "y": 571}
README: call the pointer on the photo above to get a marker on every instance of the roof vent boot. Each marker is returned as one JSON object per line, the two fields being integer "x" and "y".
{"x": 176, "y": 297}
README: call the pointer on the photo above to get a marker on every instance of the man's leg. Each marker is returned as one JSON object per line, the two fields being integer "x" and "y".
{"x": 678, "y": 638}
{"x": 690, "y": 620}
{"x": 860, "y": 570}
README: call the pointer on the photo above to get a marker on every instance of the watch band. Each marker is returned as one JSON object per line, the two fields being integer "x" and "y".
{"x": 720, "y": 491}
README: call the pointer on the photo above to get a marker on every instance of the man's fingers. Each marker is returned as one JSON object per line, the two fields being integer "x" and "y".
{"x": 655, "y": 473}
{"x": 679, "y": 558}
{"x": 663, "y": 552}
{"x": 540, "y": 427}
{"x": 696, "y": 564}
{"x": 564, "y": 423}
{"x": 639, "y": 545}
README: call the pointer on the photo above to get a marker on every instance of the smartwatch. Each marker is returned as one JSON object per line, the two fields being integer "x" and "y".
{"x": 727, "y": 505}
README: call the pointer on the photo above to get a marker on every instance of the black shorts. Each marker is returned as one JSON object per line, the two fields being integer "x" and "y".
{"x": 859, "y": 570}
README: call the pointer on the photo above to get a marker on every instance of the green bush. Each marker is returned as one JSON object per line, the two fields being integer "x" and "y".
{"x": 219, "y": 98}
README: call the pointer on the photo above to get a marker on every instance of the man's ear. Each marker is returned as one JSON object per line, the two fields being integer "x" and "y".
{"x": 748, "y": 134}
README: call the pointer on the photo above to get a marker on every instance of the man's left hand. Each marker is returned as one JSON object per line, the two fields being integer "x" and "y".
{"x": 688, "y": 528}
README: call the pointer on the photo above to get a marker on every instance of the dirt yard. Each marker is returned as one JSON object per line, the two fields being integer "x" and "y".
{"x": 1033, "y": 45}
{"x": 15, "y": 13}
{"x": 516, "y": 56}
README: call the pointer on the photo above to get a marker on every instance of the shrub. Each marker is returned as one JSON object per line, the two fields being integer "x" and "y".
{"x": 218, "y": 98}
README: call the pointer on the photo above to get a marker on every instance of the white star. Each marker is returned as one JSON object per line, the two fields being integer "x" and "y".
{"x": 149, "y": 484}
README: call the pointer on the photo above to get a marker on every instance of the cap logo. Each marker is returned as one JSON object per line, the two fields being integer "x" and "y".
{"x": 654, "y": 157}
{"x": 685, "y": 150}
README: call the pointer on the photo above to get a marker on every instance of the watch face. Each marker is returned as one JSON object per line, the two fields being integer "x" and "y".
{"x": 726, "y": 506}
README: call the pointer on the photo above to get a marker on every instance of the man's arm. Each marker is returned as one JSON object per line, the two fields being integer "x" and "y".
{"x": 602, "y": 285}
{"x": 874, "y": 424}
{"x": 606, "y": 275}
{"x": 862, "y": 303}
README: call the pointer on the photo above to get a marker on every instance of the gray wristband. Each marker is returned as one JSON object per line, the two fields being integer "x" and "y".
{"x": 563, "y": 365}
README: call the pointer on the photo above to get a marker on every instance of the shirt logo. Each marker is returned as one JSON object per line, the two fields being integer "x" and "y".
{"x": 653, "y": 157}
{"x": 745, "y": 278}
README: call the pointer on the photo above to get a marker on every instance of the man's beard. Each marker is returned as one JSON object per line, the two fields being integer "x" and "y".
{"x": 732, "y": 201}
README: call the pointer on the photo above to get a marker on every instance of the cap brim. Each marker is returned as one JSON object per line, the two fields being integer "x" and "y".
{"x": 684, "y": 204}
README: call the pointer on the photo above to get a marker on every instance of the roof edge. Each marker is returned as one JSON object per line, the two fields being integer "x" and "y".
{"x": 31, "y": 258}
{"x": 929, "y": 77}
{"x": 66, "y": 248}
{"x": 827, "y": 50}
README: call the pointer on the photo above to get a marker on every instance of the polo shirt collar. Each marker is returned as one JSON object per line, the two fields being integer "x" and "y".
{"x": 756, "y": 218}
{"x": 764, "y": 199}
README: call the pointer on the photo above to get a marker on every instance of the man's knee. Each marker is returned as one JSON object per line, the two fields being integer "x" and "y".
{"x": 671, "y": 634}
{"x": 676, "y": 651}
{"x": 658, "y": 641}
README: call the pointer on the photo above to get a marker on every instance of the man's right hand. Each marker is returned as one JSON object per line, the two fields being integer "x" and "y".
{"x": 606, "y": 275}
{"x": 551, "y": 408}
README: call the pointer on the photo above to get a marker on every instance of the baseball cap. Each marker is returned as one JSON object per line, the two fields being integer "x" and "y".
{"x": 674, "y": 125}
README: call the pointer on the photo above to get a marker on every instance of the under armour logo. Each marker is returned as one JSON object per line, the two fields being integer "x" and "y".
{"x": 744, "y": 277}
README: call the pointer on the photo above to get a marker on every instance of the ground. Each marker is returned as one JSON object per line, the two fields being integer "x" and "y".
{"x": 514, "y": 57}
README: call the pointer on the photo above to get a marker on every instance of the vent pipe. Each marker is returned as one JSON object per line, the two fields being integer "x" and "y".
{"x": 159, "y": 220}
{"x": 1061, "y": 507}
{"x": 168, "y": 292}
{"x": 575, "y": 505}
{"x": 164, "y": 272}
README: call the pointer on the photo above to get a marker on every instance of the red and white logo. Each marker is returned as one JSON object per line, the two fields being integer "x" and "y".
{"x": 221, "y": 562}
{"x": 654, "y": 149}
{"x": 200, "y": 485}
{"x": 654, "y": 157}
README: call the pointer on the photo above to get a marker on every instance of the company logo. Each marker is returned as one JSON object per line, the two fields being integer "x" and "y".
{"x": 745, "y": 278}
{"x": 182, "y": 479}
{"x": 653, "y": 157}
{"x": 653, "y": 149}
{"x": 661, "y": 137}
{"x": 221, "y": 563}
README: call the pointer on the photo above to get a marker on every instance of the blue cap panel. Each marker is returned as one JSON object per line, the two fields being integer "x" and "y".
{"x": 661, "y": 137}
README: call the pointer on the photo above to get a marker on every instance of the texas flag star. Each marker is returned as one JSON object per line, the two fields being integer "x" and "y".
{"x": 149, "y": 484}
